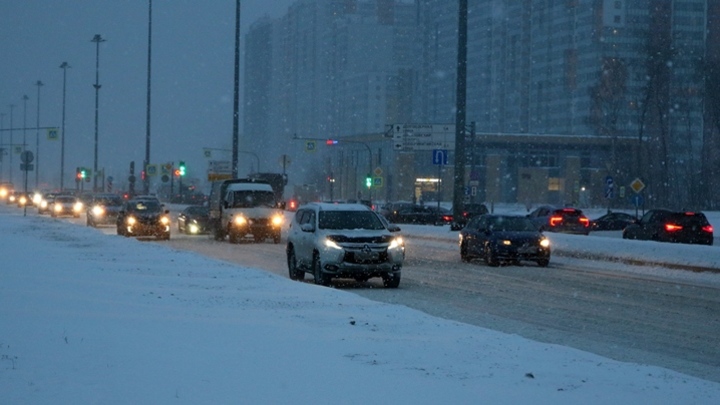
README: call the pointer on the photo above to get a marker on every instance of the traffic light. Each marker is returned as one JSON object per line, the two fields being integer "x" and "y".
{"x": 181, "y": 168}
{"x": 368, "y": 180}
{"x": 177, "y": 172}
{"x": 83, "y": 173}
{"x": 78, "y": 174}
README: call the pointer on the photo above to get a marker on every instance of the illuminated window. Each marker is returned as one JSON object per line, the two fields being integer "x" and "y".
{"x": 553, "y": 184}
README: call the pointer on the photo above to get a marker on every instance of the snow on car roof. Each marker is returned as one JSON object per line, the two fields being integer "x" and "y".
{"x": 339, "y": 206}
{"x": 249, "y": 186}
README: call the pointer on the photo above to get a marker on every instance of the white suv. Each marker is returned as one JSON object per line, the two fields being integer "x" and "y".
{"x": 343, "y": 240}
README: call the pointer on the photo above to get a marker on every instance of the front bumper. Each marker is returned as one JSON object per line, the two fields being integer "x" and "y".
{"x": 361, "y": 261}
{"x": 139, "y": 229}
{"x": 521, "y": 252}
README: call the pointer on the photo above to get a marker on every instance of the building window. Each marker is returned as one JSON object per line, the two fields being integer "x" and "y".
{"x": 553, "y": 184}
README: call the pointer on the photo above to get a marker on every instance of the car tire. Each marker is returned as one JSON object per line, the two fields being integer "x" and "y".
{"x": 320, "y": 277}
{"x": 232, "y": 237}
{"x": 391, "y": 280}
{"x": 543, "y": 262}
{"x": 218, "y": 234}
{"x": 293, "y": 271}
{"x": 276, "y": 238}
{"x": 490, "y": 258}
{"x": 464, "y": 256}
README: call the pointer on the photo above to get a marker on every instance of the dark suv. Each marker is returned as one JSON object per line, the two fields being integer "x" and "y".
{"x": 560, "y": 219}
{"x": 671, "y": 226}
{"x": 144, "y": 218}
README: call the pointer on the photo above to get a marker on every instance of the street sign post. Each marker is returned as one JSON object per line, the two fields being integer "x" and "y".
{"x": 412, "y": 137}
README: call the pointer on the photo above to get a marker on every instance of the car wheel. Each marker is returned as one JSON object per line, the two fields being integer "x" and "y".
{"x": 391, "y": 280}
{"x": 219, "y": 234}
{"x": 543, "y": 262}
{"x": 490, "y": 258}
{"x": 293, "y": 271}
{"x": 232, "y": 236}
{"x": 320, "y": 277}
{"x": 276, "y": 238}
{"x": 464, "y": 252}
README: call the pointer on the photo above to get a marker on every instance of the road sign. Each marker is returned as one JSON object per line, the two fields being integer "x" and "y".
{"x": 637, "y": 185}
{"x": 207, "y": 153}
{"x": 53, "y": 134}
{"x": 219, "y": 166}
{"x": 637, "y": 200}
{"x": 27, "y": 157}
{"x": 27, "y": 167}
{"x": 17, "y": 149}
{"x": 377, "y": 182}
{"x": 378, "y": 171}
{"x": 440, "y": 157}
{"x": 411, "y": 137}
{"x": 310, "y": 146}
{"x": 151, "y": 170}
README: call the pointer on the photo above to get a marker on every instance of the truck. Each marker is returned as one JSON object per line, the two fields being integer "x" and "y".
{"x": 244, "y": 207}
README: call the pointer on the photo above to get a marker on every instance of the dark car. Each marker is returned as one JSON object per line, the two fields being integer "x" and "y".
{"x": 391, "y": 210}
{"x": 416, "y": 214}
{"x": 103, "y": 209}
{"x": 144, "y": 218}
{"x": 467, "y": 212}
{"x": 194, "y": 219}
{"x": 45, "y": 203}
{"x": 66, "y": 205}
{"x": 503, "y": 238}
{"x": 671, "y": 226}
{"x": 556, "y": 219}
{"x": 612, "y": 221}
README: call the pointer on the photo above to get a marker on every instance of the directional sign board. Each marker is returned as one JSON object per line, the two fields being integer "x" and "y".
{"x": 440, "y": 157}
{"x": 412, "y": 137}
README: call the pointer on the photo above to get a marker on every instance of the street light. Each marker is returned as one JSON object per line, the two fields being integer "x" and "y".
{"x": 97, "y": 39}
{"x": 12, "y": 107}
{"x": 236, "y": 93}
{"x": 64, "y": 67}
{"x": 27, "y": 163}
{"x": 146, "y": 181}
{"x": 37, "y": 138}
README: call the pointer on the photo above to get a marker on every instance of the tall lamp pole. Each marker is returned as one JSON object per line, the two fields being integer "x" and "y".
{"x": 25, "y": 172}
{"x": 64, "y": 67}
{"x": 37, "y": 137}
{"x": 236, "y": 97}
{"x": 2, "y": 143}
{"x": 460, "y": 158}
{"x": 97, "y": 39}
{"x": 12, "y": 107}
{"x": 146, "y": 182}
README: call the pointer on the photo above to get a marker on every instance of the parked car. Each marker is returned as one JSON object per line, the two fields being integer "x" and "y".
{"x": 612, "y": 221}
{"x": 503, "y": 238}
{"x": 66, "y": 205}
{"x": 468, "y": 211}
{"x": 144, "y": 217}
{"x": 671, "y": 226}
{"x": 556, "y": 219}
{"x": 416, "y": 214}
{"x": 194, "y": 220}
{"x": 390, "y": 210}
{"x": 103, "y": 209}
{"x": 343, "y": 241}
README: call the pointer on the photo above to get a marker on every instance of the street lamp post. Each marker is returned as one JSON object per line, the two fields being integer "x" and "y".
{"x": 236, "y": 93}
{"x": 64, "y": 67}
{"x": 97, "y": 39}
{"x": 12, "y": 107}
{"x": 2, "y": 143}
{"x": 146, "y": 181}
{"x": 37, "y": 137}
{"x": 26, "y": 163}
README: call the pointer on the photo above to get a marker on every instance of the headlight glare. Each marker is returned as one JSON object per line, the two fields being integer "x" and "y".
{"x": 131, "y": 220}
{"x": 507, "y": 242}
{"x": 545, "y": 242}
{"x": 396, "y": 243}
{"x": 240, "y": 220}
{"x": 277, "y": 220}
{"x": 98, "y": 210}
{"x": 78, "y": 206}
{"x": 164, "y": 220}
{"x": 331, "y": 244}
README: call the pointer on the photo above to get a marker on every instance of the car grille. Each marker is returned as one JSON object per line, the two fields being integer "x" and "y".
{"x": 358, "y": 257}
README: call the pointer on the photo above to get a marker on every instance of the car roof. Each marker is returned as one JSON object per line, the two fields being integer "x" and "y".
{"x": 335, "y": 207}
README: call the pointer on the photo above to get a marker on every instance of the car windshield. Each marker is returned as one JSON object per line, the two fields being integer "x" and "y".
{"x": 65, "y": 199}
{"x": 569, "y": 212}
{"x": 109, "y": 201}
{"x": 198, "y": 210}
{"x": 511, "y": 224}
{"x": 144, "y": 206}
{"x": 252, "y": 199}
{"x": 349, "y": 220}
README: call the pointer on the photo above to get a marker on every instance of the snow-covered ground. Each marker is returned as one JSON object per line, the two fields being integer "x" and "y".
{"x": 91, "y": 318}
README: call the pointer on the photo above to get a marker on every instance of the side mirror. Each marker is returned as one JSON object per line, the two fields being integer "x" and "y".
{"x": 167, "y": 211}
{"x": 393, "y": 228}
{"x": 307, "y": 227}
{"x": 225, "y": 204}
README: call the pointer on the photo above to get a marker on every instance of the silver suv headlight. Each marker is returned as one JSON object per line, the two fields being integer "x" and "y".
{"x": 396, "y": 243}
{"x": 332, "y": 244}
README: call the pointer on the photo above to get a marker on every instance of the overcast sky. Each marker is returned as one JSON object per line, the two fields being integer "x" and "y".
{"x": 192, "y": 79}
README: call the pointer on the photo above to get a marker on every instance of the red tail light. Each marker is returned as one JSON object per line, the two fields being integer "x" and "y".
{"x": 447, "y": 218}
{"x": 673, "y": 227}
{"x": 585, "y": 221}
{"x": 707, "y": 228}
{"x": 555, "y": 221}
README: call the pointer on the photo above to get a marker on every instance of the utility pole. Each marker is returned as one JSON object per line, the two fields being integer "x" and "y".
{"x": 146, "y": 182}
{"x": 12, "y": 107}
{"x": 97, "y": 39}
{"x": 236, "y": 96}
{"x": 2, "y": 143}
{"x": 64, "y": 67}
{"x": 460, "y": 158}
{"x": 37, "y": 138}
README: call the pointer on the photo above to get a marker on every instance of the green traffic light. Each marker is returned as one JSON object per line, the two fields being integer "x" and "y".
{"x": 181, "y": 167}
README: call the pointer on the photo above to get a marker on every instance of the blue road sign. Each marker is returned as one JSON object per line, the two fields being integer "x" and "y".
{"x": 440, "y": 157}
{"x": 637, "y": 200}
